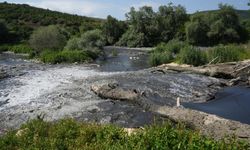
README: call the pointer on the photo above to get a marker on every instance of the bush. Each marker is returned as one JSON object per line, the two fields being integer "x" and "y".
{"x": 132, "y": 39}
{"x": 91, "y": 39}
{"x": 47, "y": 38}
{"x": 66, "y": 56}
{"x": 69, "y": 134}
{"x": 221, "y": 54}
{"x": 72, "y": 44}
{"x": 192, "y": 56}
{"x": 21, "y": 48}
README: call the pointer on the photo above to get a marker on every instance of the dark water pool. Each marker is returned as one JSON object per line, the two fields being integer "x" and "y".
{"x": 231, "y": 103}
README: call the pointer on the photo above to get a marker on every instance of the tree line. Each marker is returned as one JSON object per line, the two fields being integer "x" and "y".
{"x": 146, "y": 28}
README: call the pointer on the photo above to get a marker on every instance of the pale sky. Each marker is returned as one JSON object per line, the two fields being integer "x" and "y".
{"x": 118, "y": 8}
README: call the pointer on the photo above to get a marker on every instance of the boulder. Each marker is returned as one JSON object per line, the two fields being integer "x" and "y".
{"x": 114, "y": 92}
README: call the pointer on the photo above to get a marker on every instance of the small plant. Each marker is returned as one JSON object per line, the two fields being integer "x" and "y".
{"x": 192, "y": 56}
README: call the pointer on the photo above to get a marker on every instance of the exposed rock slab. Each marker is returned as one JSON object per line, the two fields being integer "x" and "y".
{"x": 207, "y": 124}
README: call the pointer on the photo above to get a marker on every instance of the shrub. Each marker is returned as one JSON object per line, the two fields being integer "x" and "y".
{"x": 221, "y": 54}
{"x": 92, "y": 39}
{"x": 73, "y": 44}
{"x": 69, "y": 134}
{"x": 66, "y": 56}
{"x": 47, "y": 38}
{"x": 192, "y": 56}
{"x": 21, "y": 48}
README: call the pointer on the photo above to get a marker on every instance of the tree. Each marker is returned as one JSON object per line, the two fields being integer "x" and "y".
{"x": 113, "y": 29}
{"x": 155, "y": 27}
{"x": 47, "y": 38}
{"x": 3, "y": 31}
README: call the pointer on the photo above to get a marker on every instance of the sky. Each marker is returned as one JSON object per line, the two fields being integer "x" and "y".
{"x": 118, "y": 8}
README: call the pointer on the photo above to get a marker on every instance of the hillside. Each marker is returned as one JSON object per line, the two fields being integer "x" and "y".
{"x": 22, "y": 19}
{"x": 243, "y": 14}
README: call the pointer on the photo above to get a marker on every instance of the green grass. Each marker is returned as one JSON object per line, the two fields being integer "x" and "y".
{"x": 66, "y": 56}
{"x": 21, "y": 48}
{"x": 69, "y": 134}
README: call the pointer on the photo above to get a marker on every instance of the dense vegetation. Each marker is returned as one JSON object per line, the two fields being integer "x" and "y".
{"x": 69, "y": 134}
{"x": 181, "y": 52}
{"x": 220, "y": 27}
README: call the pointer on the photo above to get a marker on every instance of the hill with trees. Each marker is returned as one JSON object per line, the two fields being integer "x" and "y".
{"x": 22, "y": 20}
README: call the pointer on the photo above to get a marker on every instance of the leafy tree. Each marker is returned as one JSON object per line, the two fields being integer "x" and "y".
{"x": 113, "y": 29}
{"x": 47, "y": 38}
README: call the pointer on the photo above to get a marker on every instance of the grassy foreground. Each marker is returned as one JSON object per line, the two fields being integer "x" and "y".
{"x": 69, "y": 134}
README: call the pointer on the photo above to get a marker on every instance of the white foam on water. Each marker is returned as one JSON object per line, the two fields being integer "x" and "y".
{"x": 37, "y": 83}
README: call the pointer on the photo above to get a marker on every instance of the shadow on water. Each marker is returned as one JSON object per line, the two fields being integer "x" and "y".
{"x": 231, "y": 103}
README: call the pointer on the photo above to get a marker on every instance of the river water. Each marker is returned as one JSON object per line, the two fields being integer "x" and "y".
{"x": 59, "y": 91}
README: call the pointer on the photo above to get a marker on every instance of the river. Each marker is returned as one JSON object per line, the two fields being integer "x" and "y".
{"x": 58, "y": 91}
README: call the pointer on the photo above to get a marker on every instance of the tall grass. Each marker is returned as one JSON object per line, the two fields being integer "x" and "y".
{"x": 69, "y": 134}
{"x": 192, "y": 56}
{"x": 229, "y": 53}
{"x": 158, "y": 58}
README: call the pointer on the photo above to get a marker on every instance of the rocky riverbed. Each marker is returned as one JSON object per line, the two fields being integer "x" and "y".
{"x": 126, "y": 98}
